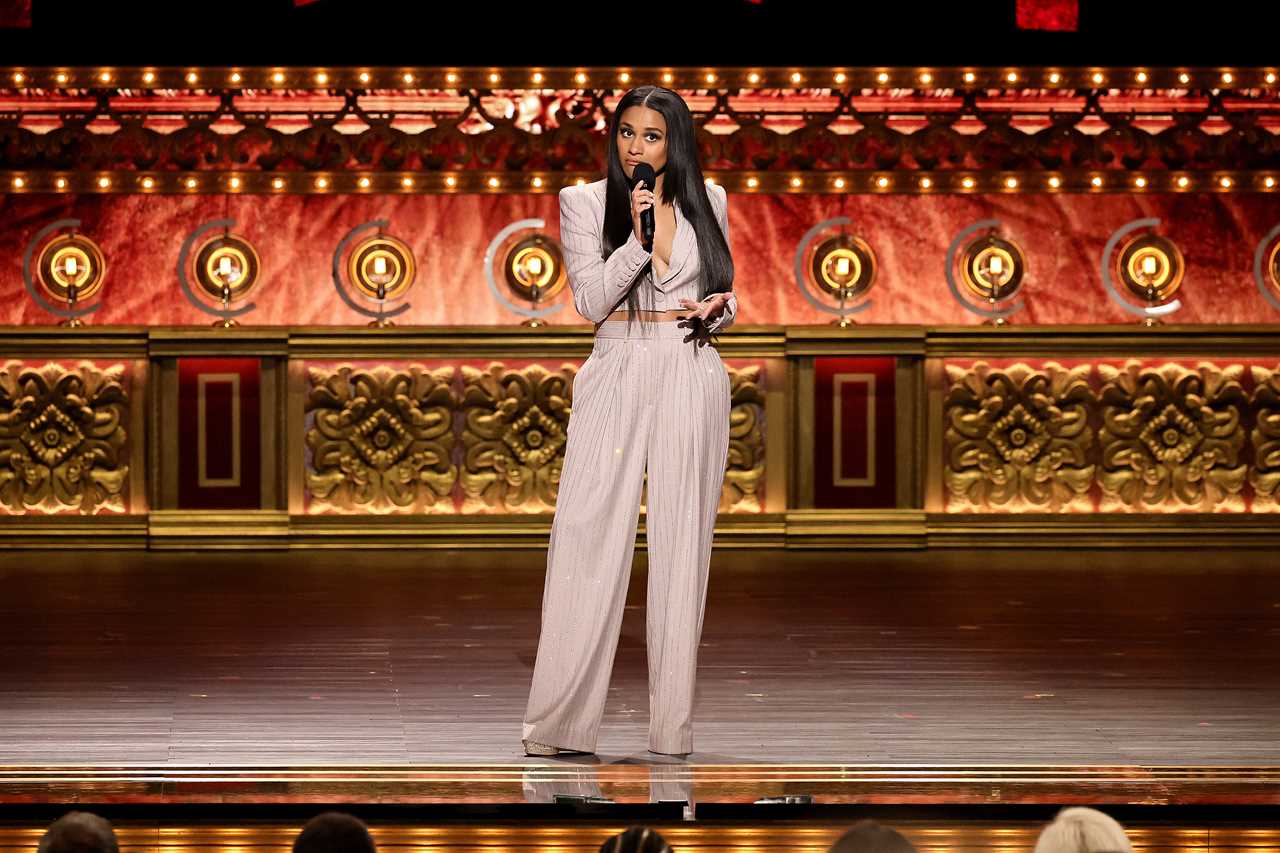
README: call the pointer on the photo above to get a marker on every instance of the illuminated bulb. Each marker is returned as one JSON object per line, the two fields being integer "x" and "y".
{"x": 968, "y": 183}
{"x": 581, "y": 78}
{"x": 1271, "y": 77}
{"x": 105, "y": 76}
{"x": 882, "y": 77}
{"x": 882, "y": 182}
{"x": 493, "y": 182}
{"x": 995, "y": 265}
{"x": 278, "y": 77}
{"x": 1097, "y": 77}
{"x": 191, "y": 183}
{"x": 278, "y": 183}
{"x": 537, "y": 76}
{"x": 925, "y": 183}
{"x": 224, "y": 267}
{"x": 1011, "y": 183}
{"x": 364, "y": 182}
{"x": 18, "y": 183}
{"x": 537, "y": 182}
{"x": 1055, "y": 77}
{"x": 1226, "y": 182}
{"x": 1269, "y": 182}
{"x": 753, "y": 182}
{"x": 795, "y": 182}
{"x": 1148, "y": 265}
{"x": 104, "y": 182}
{"x": 1182, "y": 182}
{"x": 1139, "y": 182}
{"x": 795, "y": 77}
{"x": 148, "y": 183}
{"x": 406, "y": 181}
{"x": 379, "y": 265}
{"x": 149, "y": 77}
{"x": 711, "y": 78}
{"x": 624, "y": 77}
{"x": 1096, "y": 181}
{"x": 322, "y": 78}
{"x": 842, "y": 266}
{"x": 840, "y": 77}
{"x": 235, "y": 183}
{"x": 364, "y": 77}
{"x": 71, "y": 266}
{"x": 1055, "y": 182}
{"x": 321, "y": 183}
{"x": 235, "y": 76}
{"x": 581, "y": 182}
{"x": 753, "y": 77}
{"x": 711, "y": 182}
{"x": 408, "y": 78}
{"x": 1226, "y": 77}
{"x": 666, "y": 77}
{"x": 1184, "y": 78}
{"x": 61, "y": 183}
{"x": 1012, "y": 77}
{"x": 450, "y": 181}
{"x": 534, "y": 265}
{"x": 192, "y": 78}
{"x": 839, "y": 182}
{"x": 968, "y": 77}
{"x": 1142, "y": 77}
{"x": 451, "y": 77}
{"x": 61, "y": 77}
{"x": 493, "y": 77}
{"x": 18, "y": 77}
{"x": 926, "y": 77}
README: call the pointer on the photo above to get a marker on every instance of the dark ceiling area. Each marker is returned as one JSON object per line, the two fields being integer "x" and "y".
{"x": 660, "y": 32}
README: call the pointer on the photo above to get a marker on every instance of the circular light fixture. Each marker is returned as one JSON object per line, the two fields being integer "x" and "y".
{"x": 843, "y": 265}
{"x": 1151, "y": 267}
{"x": 227, "y": 267}
{"x": 70, "y": 262}
{"x": 534, "y": 269}
{"x": 382, "y": 267}
{"x": 992, "y": 268}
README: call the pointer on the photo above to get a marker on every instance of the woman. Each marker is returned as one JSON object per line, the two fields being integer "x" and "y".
{"x": 651, "y": 394}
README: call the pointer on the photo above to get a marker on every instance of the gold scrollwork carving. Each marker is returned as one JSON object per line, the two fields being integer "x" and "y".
{"x": 744, "y": 474}
{"x": 1172, "y": 437}
{"x": 516, "y": 425}
{"x": 1265, "y": 475}
{"x": 382, "y": 438}
{"x": 1017, "y": 438}
{"x": 63, "y": 437}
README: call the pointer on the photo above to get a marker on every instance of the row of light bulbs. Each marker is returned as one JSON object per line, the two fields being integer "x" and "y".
{"x": 128, "y": 182}
{"x": 812, "y": 77}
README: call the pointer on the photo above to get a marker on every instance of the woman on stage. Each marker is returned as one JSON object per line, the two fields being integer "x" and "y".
{"x": 652, "y": 394}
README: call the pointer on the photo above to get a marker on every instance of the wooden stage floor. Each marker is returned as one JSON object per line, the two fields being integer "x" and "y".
{"x": 857, "y": 677}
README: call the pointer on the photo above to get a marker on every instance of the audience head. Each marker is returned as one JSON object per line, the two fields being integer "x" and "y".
{"x": 1083, "y": 830}
{"x": 334, "y": 832}
{"x": 868, "y": 836}
{"x": 79, "y": 832}
{"x": 637, "y": 839}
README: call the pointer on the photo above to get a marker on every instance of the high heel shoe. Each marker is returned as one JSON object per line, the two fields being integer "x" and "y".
{"x": 532, "y": 747}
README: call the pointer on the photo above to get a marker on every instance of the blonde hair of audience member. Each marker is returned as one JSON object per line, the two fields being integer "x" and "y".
{"x": 79, "y": 832}
{"x": 637, "y": 839}
{"x": 1080, "y": 829}
{"x": 869, "y": 836}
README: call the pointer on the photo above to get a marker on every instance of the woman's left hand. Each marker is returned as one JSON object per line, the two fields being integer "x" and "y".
{"x": 706, "y": 311}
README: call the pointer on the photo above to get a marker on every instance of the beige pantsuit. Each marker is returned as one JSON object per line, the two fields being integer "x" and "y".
{"x": 645, "y": 400}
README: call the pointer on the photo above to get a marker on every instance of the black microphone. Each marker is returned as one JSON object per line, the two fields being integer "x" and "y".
{"x": 643, "y": 173}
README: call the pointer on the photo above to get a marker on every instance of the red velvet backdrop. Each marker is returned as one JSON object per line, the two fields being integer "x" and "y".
{"x": 1063, "y": 236}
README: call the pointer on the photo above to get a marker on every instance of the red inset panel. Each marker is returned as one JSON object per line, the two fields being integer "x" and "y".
{"x": 219, "y": 439}
{"x": 854, "y": 426}
{"x": 1048, "y": 14}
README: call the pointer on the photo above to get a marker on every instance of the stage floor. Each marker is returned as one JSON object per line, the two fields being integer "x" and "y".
{"x": 864, "y": 667}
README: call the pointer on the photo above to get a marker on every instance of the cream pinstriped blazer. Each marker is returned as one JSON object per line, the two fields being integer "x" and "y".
{"x": 600, "y": 285}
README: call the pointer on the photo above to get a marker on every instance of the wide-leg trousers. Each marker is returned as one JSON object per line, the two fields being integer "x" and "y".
{"x": 644, "y": 399}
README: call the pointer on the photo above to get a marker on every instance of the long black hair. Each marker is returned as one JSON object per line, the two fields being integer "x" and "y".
{"x": 683, "y": 181}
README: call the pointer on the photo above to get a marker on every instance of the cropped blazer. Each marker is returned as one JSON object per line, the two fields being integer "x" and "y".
{"x": 600, "y": 285}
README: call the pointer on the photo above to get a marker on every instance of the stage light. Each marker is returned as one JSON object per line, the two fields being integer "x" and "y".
{"x": 60, "y": 77}
{"x": 1141, "y": 77}
{"x": 925, "y": 183}
{"x": 364, "y": 77}
{"x": 537, "y": 182}
{"x": 149, "y": 78}
{"x": 838, "y": 183}
{"x": 381, "y": 268}
{"x": 235, "y": 183}
{"x": 1226, "y": 77}
{"x": 450, "y": 181}
{"x": 104, "y": 183}
{"x": 493, "y": 77}
{"x": 60, "y": 183}
{"x": 406, "y": 182}
{"x": 624, "y": 77}
{"x": 1271, "y": 77}
{"x": 753, "y": 182}
{"x": 277, "y": 78}
{"x": 537, "y": 76}
{"x": 192, "y": 183}
{"x": 926, "y": 78}
{"x": 581, "y": 182}
{"x": 71, "y": 268}
{"x": 104, "y": 77}
{"x": 533, "y": 269}
{"x": 1096, "y": 180}
{"x": 666, "y": 77}
{"x": 1011, "y": 183}
{"x": 322, "y": 183}
{"x": 580, "y": 78}
{"x": 1054, "y": 77}
{"x": 1055, "y": 182}
{"x": 493, "y": 182}
{"x": 840, "y": 269}
{"x": 711, "y": 182}
{"x": 1097, "y": 77}
{"x": 408, "y": 78}
{"x": 1012, "y": 77}
{"x": 227, "y": 269}
{"x": 1184, "y": 78}
{"x": 882, "y": 77}
{"x": 1139, "y": 182}
{"x": 882, "y": 182}
{"x": 322, "y": 78}
{"x": 148, "y": 183}
{"x": 278, "y": 183}
{"x": 1151, "y": 267}
{"x": 192, "y": 77}
{"x": 795, "y": 77}
{"x": 1225, "y": 182}
{"x": 364, "y": 183}
{"x": 968, "y": 183}
{"x": 451, "y": 77}
{"x": 18, "y": 183}
{"x": 235, "y": 76}
{"x": 711, "y": 78}
{"x": 969, "y": 77}
{"x": 795, "y": 182}
{"x": 1269, "y": 182}
{"x": 18, "y": 77}
{"x": 753, "y": 78}
{"x": 1182, "y": 181}
{"x": 992, "y": 268}
{"x": 840, "y": 77}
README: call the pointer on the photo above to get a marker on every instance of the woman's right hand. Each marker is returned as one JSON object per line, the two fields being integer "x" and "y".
{"x": 641, "y": 199}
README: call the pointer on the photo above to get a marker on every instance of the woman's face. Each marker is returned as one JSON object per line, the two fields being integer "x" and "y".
{"x": 642, "y": 138}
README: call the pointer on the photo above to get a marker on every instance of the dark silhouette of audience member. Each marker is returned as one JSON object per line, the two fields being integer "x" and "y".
{"x": 79, "y": 832}
{"x": 637, "y": 839}
{"x": 1079, "y": 829}
{"x": 334, "y": 832}
{"x": 868, "y": 836}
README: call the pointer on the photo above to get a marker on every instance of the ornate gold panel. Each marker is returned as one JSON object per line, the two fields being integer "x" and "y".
{"x": 1172, "y": 437}
{"x": 382, "y": 438}
{"x": 516, "y": 425}
{"x": 1265, "y": 475}
{"x": 1017, "y": 438}
{"x": 62, "y": 437}
{"x": 744, "y": 475}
